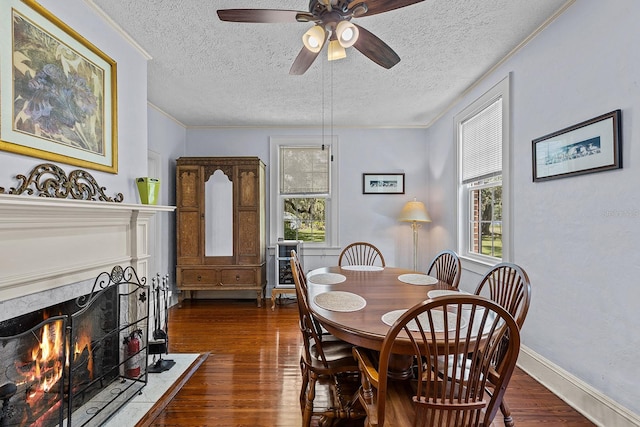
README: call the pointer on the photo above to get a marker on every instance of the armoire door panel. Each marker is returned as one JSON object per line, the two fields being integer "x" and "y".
{"x": 248, "y": 228}
{"x": 189, "y": 234}
{"x": 248, "y": 188}
{"x": 189, "y": 182}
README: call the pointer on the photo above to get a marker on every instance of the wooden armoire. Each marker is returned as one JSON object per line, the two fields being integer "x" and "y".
{"x": 221, "y": 225}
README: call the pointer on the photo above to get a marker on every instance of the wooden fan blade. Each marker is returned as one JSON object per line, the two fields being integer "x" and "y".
{"x": 375, "y": 49}
{"x": 378, "y": 6}
{"x": 303, "y": 61}
{"x": 269, "y": 16}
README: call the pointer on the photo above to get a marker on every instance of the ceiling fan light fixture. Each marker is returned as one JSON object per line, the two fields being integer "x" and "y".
{"x": 314, "y": 38}
{"x": 347, "y": 33}
{"x": 335, "y": 51}
{"x": 359, "y": 10}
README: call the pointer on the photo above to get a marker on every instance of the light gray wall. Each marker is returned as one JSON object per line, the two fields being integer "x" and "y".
{"x": 167, "y": 138}
{"x": 362, "y": 217}
{"x": 576, "y": 237}
{"x": 132, "y": 105}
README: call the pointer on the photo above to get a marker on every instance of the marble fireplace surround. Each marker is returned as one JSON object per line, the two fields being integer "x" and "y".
{"x": 52, "y": 248}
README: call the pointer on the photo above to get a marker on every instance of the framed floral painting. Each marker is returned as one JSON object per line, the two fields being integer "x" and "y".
{"x": 58, "y": 91}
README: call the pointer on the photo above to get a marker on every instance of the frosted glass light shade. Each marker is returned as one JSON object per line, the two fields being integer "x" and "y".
{"x": 336, "y": 51}
{"x": 314, "y": 38}
{"x": 347, "y": 33}
{"x": 414, "y": 211}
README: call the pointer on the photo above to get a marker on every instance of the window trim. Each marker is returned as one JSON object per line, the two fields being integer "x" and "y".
{"x": 275, "y": 210}
{"x": 471, "y": 261}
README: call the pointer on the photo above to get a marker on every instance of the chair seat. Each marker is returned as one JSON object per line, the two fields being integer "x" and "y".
{"x": 457, "y": 369}
{"x": 401, "y": 411}
{"x": 333, "y": 350}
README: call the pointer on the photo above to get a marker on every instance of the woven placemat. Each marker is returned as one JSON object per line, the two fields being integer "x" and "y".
{"x": 362, "y": 267}
{"x": 340, "y": 301}
{"x": 417, "y": 279}
{"x": 444, "y": 292}
{"x": 438, "y": 320}
{"x": 326, "y": 278}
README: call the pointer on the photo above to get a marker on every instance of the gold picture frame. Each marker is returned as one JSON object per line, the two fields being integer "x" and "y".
{"x": 58, "y": 92}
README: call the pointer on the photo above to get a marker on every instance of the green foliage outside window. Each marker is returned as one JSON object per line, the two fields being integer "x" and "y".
{"x": 304, "y": 219}
{"x": 488, "y": 220}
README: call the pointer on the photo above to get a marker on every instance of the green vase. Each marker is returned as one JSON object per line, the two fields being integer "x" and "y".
{"x": 148, "y": 189}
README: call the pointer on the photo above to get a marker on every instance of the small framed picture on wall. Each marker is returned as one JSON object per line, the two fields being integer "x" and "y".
{"x": 383, "y": 183}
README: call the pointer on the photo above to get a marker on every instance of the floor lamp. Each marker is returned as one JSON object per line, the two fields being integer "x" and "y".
{"x": 415, "y": 213}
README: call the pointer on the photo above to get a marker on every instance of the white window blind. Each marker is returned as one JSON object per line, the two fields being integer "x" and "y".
{"x": 304, "y": 170}
{"x": 482, "y": 144}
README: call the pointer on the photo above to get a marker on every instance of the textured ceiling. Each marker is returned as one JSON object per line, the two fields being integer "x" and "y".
{"x": 205, "y": 72}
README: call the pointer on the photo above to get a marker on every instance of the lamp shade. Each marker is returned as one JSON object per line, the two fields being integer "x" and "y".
{"x": 347, "y": 33}
{"x": 335, "y": 51}
{"x": 314, "y": 38}
{"x": 414, "y": 211}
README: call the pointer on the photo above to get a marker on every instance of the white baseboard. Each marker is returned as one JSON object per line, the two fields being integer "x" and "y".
{"x": 591, "y": 403}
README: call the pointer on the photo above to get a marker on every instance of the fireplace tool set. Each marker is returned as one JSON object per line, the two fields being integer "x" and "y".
{"x": 159, "y": 344}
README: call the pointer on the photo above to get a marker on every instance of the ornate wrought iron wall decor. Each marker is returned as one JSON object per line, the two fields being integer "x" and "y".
{"x": 49, "y": 180}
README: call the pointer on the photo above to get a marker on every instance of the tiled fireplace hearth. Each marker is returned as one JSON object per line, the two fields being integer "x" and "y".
{"x": 51, "y": 252}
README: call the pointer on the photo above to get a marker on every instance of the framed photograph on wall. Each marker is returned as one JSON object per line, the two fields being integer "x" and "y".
{"x": 59, "y": 92}
{"x": 591, "y": 146}
{"x": 382, "y": 183}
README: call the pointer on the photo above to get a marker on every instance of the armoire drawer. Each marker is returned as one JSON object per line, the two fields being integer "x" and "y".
{"x": 232, "y": 277}
{"x": 200, "y": 277}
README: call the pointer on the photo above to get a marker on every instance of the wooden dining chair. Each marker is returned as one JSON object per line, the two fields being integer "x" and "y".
{"x": 475, "y": 326}
{"x": 298, "y": 274}
{"x": 446, "y": 267}
{"x": 508, "y": 285}
{"x": 361, "y": 253}
{"x": 330, "y": 376}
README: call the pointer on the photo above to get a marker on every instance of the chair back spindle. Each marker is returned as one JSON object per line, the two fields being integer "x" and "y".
{"x": 446, "y": 266}
{"x": 361, "y": 253}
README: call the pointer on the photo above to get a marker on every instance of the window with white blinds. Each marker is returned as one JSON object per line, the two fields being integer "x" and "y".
{"x": 483, "y": 179}
{"x": 481, "y": 137}
{"x": 305, "y": 170}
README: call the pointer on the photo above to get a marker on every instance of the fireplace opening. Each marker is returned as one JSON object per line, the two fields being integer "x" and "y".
{"x": 72, "y": 363}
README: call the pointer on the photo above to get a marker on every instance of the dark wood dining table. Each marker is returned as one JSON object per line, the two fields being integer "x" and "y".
{"x": 382, "y": 291}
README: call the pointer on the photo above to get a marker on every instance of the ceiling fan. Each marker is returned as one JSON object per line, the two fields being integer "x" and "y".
{"x": 332, "y": 19}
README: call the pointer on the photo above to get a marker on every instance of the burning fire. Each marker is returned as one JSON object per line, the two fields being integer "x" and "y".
{"x": 46, "y": 357}
{"x": 84, "y": 342}
{"x": 47, "y": 366}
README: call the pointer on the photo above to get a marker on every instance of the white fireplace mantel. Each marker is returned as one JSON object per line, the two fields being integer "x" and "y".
{"x": 47, "y": 243}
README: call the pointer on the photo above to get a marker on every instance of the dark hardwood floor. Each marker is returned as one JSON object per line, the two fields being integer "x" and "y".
{"x": 252, "y": 376}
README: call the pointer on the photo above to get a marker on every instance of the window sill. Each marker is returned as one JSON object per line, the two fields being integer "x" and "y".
{"x": 476, "y": 265}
